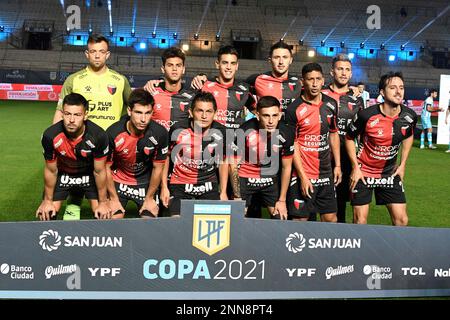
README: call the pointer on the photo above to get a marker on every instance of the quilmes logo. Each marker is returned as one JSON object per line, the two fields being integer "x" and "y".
{"x": 50, "y": 240}
{"x": 211, "y": 230}
{"x": 295, "y": 242}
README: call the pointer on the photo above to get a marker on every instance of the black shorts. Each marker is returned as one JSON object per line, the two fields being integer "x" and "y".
{"x": 82, "y": 185}
{"x": 203, "y": 191}
{"x": 323, "y": 199}
{"x": 266, "y": 188}
{"x": 135, "y": 193}
{"x": 387, "y": 190}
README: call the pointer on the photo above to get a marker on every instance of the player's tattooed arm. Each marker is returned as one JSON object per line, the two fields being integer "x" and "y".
{"x": 234, "y": 177}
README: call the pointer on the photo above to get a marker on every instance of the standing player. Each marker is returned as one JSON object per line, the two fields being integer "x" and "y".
{"x": 348, "y": 106}
{"x": 172, "y": 99}
{"x": 314, "y": 116}
{"x": 263, "y": 143}
{"x": 198, "y": 151}
{"x": 75, "y": 152}
{"x": 106, "y": 90}
{"x": 363, "y": 94}
{"x": 139, "y": 150}
{"x": 425, "y": 117}
{"x": 277, "y": 83}
{"x": 382, "y": 129}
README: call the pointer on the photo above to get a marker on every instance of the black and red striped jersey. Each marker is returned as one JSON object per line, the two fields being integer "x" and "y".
{"x": 286, "y": 90}
{"x": 132, "y": 156}
{"x": 313, "y": 124}
{"x": 196, "y": 154}
{"x": 348, "y": 106}
{"x": 259, "y": 152}
{"x": 231, "y": 100}
{"x": 75, "y": 156}
{"x": 171, "y": 107}
{"x": 381, "y": 137}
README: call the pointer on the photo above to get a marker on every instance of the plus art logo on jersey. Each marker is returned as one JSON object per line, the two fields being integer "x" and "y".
{"x": 211, "y": 227}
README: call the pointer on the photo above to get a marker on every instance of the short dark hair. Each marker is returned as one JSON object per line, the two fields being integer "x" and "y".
{"x": 204, "y": 97}
{"x": 386, "y": 77}
{"x": 280, "y": 45}
{"x": 267, "y": 102}
{"x": 97, "y": 38}
{"x": 75, "y": 99}
{"x": 173, "y": 52}
{"x": 140, "y": 96}
{"x": 431, "y": 91}
{"x": 340, "y": 57}
{"x": 310, "y": 67}
{"x": 227, "y": 50}
{"x": 361, "y": 84}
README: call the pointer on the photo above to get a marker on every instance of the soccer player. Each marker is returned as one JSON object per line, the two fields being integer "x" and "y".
{"x": 277, "y": 82}
{"x": 263, "y": 143}
{"x": 232, "y": 96}
{"x": 172, "y": 98}
{"x": 382, "y": 129}
{"x": 198, "y": 151}
{"x": 75, "y": 152}
{"x": 139, "y": 149}
{"x": 106, "y": 90}
{"x": 314, "y": 117}
{"x": 425, "y": 117}
{"x": 348, "y": 106}
{"x": 364, "y": 94}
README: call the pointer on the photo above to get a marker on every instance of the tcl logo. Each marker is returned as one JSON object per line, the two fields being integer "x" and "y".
{"x": 104, "y": 272}
{"x": 413, "y": 271}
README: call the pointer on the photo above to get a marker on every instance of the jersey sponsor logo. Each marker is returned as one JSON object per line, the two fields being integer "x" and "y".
{"x": 63, "y": 153}
{"x": 281, "y": 139}
{"x": 164, "y": 150}
{"x": 198, "y": 189}
{"x": 303, "y": 111}
{"x": 306, "y": 122}
{"x": 243, "y": 88}
{"x": 131, "y": 191}
{"x": 166, "y": 123}
{"x": 187, "y": 95}
{"x": 58, "y": 143}
{"x": 87, "y": 89}
{"x": 152, "y": 139}
{"x": 217, "y": 136}
{"x": 92, "y": 106}
{"x": 380, "y": 132}
{"x": 408, "y": 118}
{"x": 260, "y": 182}
{"x": 90, "y": 144}
{"x": 112, "y": 89}
{"x": 374, "y": 122}
{"x": 331, "y": 106}
{"x": 387, "y": 182}
{"x": 120, "y": 142}
{"x": 106, "y": 150}
{"x": 294, "y": 79}
{"x": 320, "y": 182}
{"x": 67, "y": 180}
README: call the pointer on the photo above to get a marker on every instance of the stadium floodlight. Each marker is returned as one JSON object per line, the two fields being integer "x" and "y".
{"x": 90, "y": 31}
{"x": 185, "y": 47}
{"x": 382, "y": 46}
{"x": 142, "y": 46}
{"x": 342, "y": 44}
{"x": 402, "y": 47}
{"x": 300, "y": 42}
{"x": 2, "y": 28}
{"x": 361, "y": 45}
{"x": 153, "y": 34}
{"x": 175, "y": 35}
{"x": 68, "y": 30}
{"x": 351, "y": 55}
{"x": 311, "y": 53}
{"x": 196, "y": 36}
{"x": 422, "y": 48}
{"x": 111, "y": 32}
{"x": 217, "y": 37}
{"x": 133, "y": 33}
{"x": 322, "y": 43}
{"x": 391, "y": 57}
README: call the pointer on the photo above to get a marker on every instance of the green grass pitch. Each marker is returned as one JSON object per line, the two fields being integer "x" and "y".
{"x": 427, "y": 180}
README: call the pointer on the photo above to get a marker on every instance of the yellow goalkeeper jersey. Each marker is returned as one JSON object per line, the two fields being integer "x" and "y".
{"x": 107, "y": 94}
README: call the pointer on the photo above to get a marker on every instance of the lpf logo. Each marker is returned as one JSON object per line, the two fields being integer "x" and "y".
{"x": 211, "y": 228}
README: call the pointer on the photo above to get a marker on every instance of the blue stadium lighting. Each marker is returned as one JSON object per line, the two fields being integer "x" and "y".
{"x": 402, "y": 47}
{"x": 351, "y": 55}
{"x": 382, "y": 46}
{"x": 342, "y": 44}
{"x": 88, "y": 3}
{"x": 391, "y": 57}
{"x": 322, "y": 43}
{"x": 90, "y": 31}
{"x": 175, "y": 35}
{"x": 142, "y": 46}
{"x": 361, "y": 45}
{"x": 2, "y": 28}
{"x": 153, "y": 34}
{"x": 133, "y": 33}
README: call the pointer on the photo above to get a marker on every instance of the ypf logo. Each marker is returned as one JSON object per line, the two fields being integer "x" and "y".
{"x": 295, "y": 242}
{"x": 50, "y": 240}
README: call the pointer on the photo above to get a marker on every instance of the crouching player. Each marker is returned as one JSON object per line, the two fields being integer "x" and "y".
{"x": 139, "y": 149}
{"x": 75, "y": 153}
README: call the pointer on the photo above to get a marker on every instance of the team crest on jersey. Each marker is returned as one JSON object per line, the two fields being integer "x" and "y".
{"x": 112, "y": 89}
{"x": 84, "y": 153}
{"x": 211, "y": 228}
{"x": 183, "y": 105}
{"x": 403, "y": 130}
{"x": 238, "y": 95}
{"x": 292, "y": 85}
